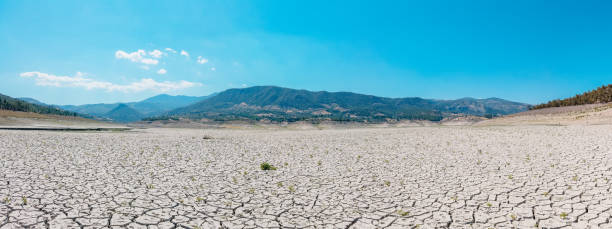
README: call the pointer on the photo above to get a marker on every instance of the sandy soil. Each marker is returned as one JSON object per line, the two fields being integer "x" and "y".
{"x": 15, "y": 119}
{"x": 592, "y": 114}
{"x": 426, "y": 177}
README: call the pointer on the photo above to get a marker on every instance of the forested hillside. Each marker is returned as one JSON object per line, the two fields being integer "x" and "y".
{"x": 602, "y": 94}
{"x": 9, "y": 103}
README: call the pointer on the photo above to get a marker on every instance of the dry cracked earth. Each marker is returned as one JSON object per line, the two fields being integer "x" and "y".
{"x": 424, "y": 177}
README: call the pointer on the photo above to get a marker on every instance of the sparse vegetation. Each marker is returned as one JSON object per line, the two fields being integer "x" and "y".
{"x": 266, "y": 166}
{"x": 563, "y": 215}
{"x": 402, "y": 213}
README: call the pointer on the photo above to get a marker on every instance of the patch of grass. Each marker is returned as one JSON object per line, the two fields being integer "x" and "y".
{"x": 150, "y": 186}
{"x": 387, "y": 183}
{"x": 489, "y": 204}
{"x": 319, "y": 163}
{"x": 251, "y": 190}
{"x": 266, "y": 166}
{"x": 24, "y": 200}
{"x": 291, "y": 188}
{"x": 563, "y": 215}
{"x": 513, "y": 216}
{"x": 402, "y": 212}
{"x": 510, "y": 177}
{"x": 199, "y": 199}
{"x": 279, "y": 184}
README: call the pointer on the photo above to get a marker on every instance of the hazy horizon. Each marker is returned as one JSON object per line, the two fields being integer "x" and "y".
{"x": 75, "y": 52}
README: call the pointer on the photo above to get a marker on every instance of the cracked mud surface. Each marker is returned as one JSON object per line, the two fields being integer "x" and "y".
{"x": 457, "y": 177}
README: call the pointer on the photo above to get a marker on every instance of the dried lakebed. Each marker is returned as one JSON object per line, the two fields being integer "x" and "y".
{"x": 457, "y": 177}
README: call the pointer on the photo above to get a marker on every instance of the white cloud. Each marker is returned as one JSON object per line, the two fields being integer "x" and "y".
{"x": 149, "y": 61}
{"x": 162, "y": 71}
{"x": 170, "y": 50}
{"x": 44, "y": 79}
{"x": 156, "y": 54}
{"x": 138, "y": 56}
{"x": 145, "y": 67}
{"x": 202, "y": 60}
{"x": 243, "y": 85}
{"x": 184, "y": 53}
{"x": 213, "y": 69}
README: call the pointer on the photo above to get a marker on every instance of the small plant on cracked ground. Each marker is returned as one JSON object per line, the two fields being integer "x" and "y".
{"x": 402, "y": 212}
{"x": 266, "y": 166}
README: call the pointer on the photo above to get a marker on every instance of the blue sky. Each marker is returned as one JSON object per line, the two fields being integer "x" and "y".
{"x": 77, "y": 52}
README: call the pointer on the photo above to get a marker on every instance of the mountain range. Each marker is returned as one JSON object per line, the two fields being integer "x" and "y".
{"x": 278, "y": 104}
{"x": 284, "y": 104}
{"x": 135, "y": 111}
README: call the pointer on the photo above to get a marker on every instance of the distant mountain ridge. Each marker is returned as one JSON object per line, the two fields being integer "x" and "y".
{"x": 124, "y": 113}
{"x": 152, "y": 106}
{"x": 284, "y": 104}
{"x": 278, "y": 104}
